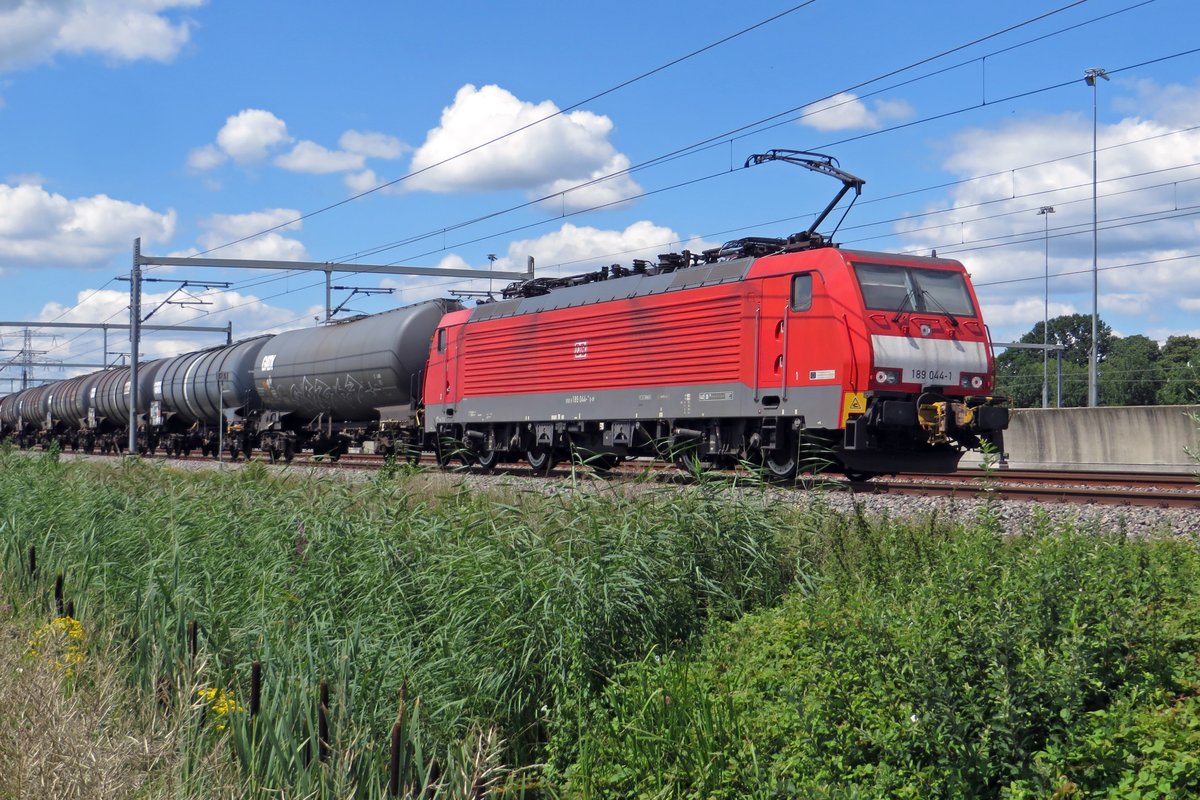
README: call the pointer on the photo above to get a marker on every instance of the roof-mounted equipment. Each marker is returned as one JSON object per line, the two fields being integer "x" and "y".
{"x": 826, "y": 165}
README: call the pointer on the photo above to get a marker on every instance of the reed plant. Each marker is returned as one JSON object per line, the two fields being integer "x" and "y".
{"x": 504, "y": 614}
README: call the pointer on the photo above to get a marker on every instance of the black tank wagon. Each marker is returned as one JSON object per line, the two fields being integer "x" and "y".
{"x": 343, "y": 383}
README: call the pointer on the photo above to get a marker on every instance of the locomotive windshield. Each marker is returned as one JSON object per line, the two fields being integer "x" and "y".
{"x": 895, "y": 288}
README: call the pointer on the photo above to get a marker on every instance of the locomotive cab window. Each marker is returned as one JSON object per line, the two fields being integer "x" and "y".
{"x": 802, "y": 292}
{"x": 932, "y": 291}
{"x": 441, "y": 340}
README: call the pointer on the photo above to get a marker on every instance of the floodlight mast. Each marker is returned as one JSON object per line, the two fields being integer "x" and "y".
{"x": 826, "y": 165}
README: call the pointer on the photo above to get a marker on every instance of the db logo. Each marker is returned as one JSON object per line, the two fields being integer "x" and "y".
{"x": 581, "y": 349}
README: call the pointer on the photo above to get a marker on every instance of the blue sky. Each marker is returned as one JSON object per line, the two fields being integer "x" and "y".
{"x": 193, "y": 124}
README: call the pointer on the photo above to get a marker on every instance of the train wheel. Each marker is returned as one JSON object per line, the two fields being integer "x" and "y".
{"x": 541, "y": 460}
{"x": 780, "y": 463}
{"x": 487, "y": 460}
{"x": 685, "y": 455}
{"x": 857, "y": 476}
{"x": 603, "y": 463}
{"x": 689, "y": 463}
{"x": 289, "y": 451}
{"x": 444, "y": 452}
{"x": 274, "y": 454}
{"x": 780, "y": 466}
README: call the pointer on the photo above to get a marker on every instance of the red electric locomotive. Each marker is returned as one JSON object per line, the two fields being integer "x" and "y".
{"x": 782, "y": 352}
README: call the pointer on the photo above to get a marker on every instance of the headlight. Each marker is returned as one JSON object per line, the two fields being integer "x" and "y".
{"x": 887, "y": 377}
{"x": 972, "y": 381}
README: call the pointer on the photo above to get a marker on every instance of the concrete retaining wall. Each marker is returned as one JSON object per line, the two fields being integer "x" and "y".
{"x": 1132, "y": 438}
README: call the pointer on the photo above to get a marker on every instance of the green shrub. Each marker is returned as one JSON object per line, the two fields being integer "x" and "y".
{"x": 924, "y": 663}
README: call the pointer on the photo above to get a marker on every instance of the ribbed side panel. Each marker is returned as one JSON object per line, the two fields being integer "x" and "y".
{"x": 672, "y": 339}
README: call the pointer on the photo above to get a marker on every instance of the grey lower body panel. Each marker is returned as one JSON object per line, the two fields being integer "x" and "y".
{"x": 819, "y": 406}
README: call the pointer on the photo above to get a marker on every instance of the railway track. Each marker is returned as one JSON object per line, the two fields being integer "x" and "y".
{"x": 1145, "y": 480}
{"x": 1157, "y": 490}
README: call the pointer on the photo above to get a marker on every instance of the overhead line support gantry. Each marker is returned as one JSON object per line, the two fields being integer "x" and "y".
{"x": 328, "y": 267}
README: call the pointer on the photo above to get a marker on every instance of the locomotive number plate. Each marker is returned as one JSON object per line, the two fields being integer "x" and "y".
{"x": 923, "y": 375}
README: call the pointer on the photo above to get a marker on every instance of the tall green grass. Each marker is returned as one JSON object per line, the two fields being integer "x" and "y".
{"x": 504, "y": 615}
{"x": 611, "y": 643}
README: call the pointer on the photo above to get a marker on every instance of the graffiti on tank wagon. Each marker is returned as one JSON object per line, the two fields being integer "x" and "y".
{"x": 318, "y": 392}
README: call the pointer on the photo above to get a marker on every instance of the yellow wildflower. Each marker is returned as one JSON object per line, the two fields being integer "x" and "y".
{"x": 220, "y": 702}
{"x": 61, "y": 642}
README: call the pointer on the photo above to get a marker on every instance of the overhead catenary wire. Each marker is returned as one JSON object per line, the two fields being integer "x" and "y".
{"x": 893, "y": 72}
{"x": 693, "y": 181}
{"x": 1031, "y": 238}
{"x": 720, "y": 139}
{"x": 513, "y": 132}
{"x": 860, "y": 226}
{"x": 751, "y": 128}
{"x": 873, "y": 133}
{"x": 573, "y": 106}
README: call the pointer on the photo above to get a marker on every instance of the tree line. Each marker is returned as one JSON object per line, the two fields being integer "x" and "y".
{"x": 1133, "y": 370}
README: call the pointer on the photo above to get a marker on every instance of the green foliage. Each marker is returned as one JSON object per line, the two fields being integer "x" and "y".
{"x": 1131, "y": 374}
{"x": 1019, "y": 373}
{"x": 1180, "y": 361}
{"x": 676, "y": 644}
{"x": 928, "y": 663}
{"x": 1133, "y": 370}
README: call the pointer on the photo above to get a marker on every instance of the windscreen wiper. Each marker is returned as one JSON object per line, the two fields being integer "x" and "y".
{"x": 953, "y": 319}
{"x": 907, "y": 301}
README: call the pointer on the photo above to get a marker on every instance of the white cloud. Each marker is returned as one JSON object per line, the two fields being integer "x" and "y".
{"x": 249, "y": 315}
{"x": 1138, "y": 303}
{"x": 205, "y": 158}
{"x": 562, "y": 151}
{"x": 604, "y": 192}
{"x": 993, "y": 226}
{"x": 220, "y": 229}
{"x": 1189, "y": 304}
{"x": 247, "y": 137}
{"x": 33, "y": 31}
{"x": 845, "y": 111}
{"x": 249, "y": 134}
{"x": 574, "y": 248}
{"x": 570, "y": 250}
{"x": 1022, "y": 314}
{"x": 38, "y": 227}
{"x": 372, "y": 145}
{"x": 357, "y": 147}
{"x": 359, "y": 182}
{"x": 311, "y": 157}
